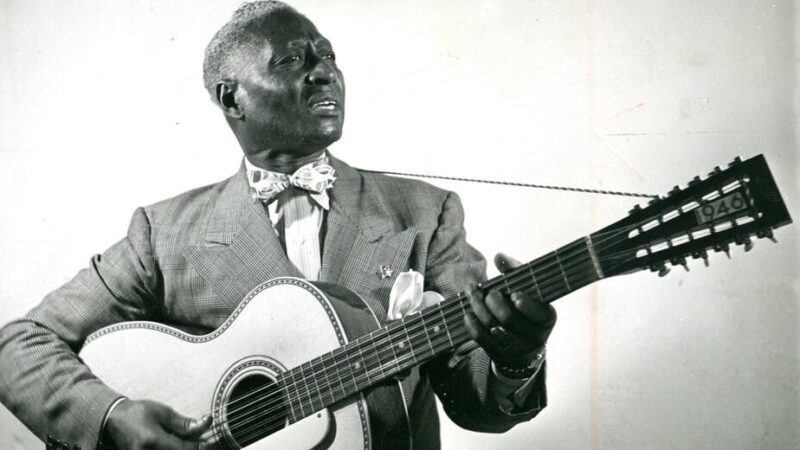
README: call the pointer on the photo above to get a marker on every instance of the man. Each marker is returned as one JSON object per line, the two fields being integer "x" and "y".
{"x": 187, "y": 260}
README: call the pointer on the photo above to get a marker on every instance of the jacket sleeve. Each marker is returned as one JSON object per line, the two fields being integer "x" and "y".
{"x": 44, "y": 383}
{"x": 464, "y": 380}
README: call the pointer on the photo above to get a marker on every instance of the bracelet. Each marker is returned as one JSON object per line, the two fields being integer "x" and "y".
{"x": 104, "y": 441}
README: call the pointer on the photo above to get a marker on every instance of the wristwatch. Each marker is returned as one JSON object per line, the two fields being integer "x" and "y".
{"x": 524, "y": 371}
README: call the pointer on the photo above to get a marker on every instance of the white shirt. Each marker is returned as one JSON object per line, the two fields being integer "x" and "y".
{"x": 297, "y": 220}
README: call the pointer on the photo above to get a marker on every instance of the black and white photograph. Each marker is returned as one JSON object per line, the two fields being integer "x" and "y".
{"x": 477, "y": 224}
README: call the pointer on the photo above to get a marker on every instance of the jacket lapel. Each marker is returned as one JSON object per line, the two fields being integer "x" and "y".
{"x": 361, "y": 238}
{"x": 239, "y": 250}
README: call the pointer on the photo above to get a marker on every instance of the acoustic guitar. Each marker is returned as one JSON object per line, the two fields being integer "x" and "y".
{"x": 298, "y": 364}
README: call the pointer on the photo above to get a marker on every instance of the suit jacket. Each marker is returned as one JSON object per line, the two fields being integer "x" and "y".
{"x": 188, "y": 261}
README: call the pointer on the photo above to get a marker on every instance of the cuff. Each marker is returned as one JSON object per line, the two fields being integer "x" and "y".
{"x": 91, "y": 403}
{"x": 513, "y": 395}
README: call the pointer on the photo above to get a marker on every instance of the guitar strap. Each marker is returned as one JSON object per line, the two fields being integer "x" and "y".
{"x": 516, "y": 184}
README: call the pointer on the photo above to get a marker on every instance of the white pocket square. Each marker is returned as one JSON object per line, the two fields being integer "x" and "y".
{"x": 407, "y": 296}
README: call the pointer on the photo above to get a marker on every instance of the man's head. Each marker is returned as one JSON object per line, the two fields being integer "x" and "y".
{"x": 275, "y": 78}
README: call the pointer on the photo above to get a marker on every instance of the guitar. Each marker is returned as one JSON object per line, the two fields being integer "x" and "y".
{"x": 298, "y": 363}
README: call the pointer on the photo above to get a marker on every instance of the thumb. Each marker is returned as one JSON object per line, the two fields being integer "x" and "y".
{"x": 185, "y": 427}
{"x": 504, "y": 263}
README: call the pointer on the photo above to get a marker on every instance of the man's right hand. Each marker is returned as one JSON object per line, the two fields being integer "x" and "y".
{"x": 144, "y": 424}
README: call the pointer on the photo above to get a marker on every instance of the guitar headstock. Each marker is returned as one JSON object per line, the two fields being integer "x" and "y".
{"x": 730, "y": 206}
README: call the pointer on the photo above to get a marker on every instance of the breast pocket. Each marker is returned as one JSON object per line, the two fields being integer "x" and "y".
{"x": 373, "y": 267}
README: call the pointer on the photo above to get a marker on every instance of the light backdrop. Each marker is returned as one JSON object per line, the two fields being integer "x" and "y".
{"x": 102, "y": 109}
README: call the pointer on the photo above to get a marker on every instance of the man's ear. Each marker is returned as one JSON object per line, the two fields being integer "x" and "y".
{"x": 226, "y": 99}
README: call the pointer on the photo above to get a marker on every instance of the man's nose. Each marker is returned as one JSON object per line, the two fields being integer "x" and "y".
{"x": 322, "y": 72}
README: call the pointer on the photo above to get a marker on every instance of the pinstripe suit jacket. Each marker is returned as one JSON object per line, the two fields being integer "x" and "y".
{"x": 188, "y": 261}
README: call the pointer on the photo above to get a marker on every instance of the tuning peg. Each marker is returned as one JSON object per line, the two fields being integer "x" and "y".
{"x": 694, "y": 181}
{"x": 662, "y": 269}
{"x": 744, "y": 240}
{"x": 723, "y": 248}
{"x": 680, "y": 261}
{"x": 635, "y": 209}
{"x": 701, "y": 254}
{"x": 674, "y": 190}
{"x": 654, "y": 200}
{"x": 735, "y": 161}
{"x": 715, "y": 171}
{"x": 767, "y": 234}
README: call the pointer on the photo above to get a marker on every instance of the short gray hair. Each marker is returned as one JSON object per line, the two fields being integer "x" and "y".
{"x": 240, "y": 30}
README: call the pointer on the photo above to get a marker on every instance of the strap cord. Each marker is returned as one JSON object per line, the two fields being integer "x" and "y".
{"x": 512, "y": 183}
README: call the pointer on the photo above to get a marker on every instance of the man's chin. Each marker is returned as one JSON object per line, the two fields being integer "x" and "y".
{"x": 328, "y": 135}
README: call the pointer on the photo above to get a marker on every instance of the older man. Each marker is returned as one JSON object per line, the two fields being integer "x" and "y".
{"x": 186, "y": 260}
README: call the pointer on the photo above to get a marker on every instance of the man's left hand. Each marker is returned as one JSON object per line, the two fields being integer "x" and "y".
{"x": 511, "y": 329}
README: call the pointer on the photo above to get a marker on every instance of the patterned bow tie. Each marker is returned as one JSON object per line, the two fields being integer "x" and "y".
{"x": 315, "y": 177}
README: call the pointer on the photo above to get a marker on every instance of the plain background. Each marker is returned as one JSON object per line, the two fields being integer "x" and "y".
{"x": 102, "y": 109}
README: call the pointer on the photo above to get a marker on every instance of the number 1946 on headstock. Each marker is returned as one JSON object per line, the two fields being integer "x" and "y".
{"x": 729, "y": 206}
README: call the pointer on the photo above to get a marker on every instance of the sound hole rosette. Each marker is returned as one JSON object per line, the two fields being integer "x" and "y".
{"x": 238, "y": 409}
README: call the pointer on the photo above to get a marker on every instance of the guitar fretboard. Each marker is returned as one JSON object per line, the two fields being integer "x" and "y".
{"x": 418, "y": 338}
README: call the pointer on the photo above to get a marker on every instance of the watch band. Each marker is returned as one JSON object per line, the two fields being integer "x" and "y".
{"x": 524, "y": 371}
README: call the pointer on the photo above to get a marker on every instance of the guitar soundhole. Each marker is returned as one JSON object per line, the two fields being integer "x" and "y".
{"x": 256, "y": 408}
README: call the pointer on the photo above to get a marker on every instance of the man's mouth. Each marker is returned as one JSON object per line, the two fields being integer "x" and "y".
{"x": 325, "y": 105}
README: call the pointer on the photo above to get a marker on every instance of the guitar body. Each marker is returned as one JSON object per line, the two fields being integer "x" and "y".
{"x": 280, "y": 325}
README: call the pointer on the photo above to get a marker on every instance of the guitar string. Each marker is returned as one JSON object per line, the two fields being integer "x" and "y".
{"x": 542, "y": 275}
{"x": 457, "y": 330}
{"x": 371, "y": 371}
{"x": 319, "y": 391}
{"x": 525, "y": 184}
{"x": 517, "y": 271}
{"x": 281, "y": 418}
{"x": 381, "y": 364}
{"x": 378, "y": 355}
{"x": 441, "y": 338}
{"x": 632, "y": 226}
{"x": 441, "y": 341}
{"x": 256, "y": 429}
{"x": 556, "y": 254}
{"x": 508, "y": 284}
{"x": 370, "y": 342}
{"x": 371, "y": 368}
{"x": 565, "y": 257}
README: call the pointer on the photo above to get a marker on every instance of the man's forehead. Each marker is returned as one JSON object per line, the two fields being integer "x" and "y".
{"x": 289, "y": 28}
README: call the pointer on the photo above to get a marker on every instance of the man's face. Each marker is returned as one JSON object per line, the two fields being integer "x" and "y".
{"x": 291, "y": 91}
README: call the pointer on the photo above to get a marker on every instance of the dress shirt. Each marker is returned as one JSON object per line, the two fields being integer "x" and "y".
{"x": 297, "y": 220}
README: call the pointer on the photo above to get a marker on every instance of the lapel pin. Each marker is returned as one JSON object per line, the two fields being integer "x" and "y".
{"x": 385, "y": 272}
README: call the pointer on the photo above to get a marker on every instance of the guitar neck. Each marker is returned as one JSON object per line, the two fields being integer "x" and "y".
{"x": 729, "y": 206}
{"x": 418, "y": 338}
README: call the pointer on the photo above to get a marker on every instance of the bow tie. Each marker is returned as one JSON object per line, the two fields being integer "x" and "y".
{"x": 315, "y": 177}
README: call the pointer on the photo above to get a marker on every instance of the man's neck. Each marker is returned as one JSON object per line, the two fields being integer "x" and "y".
{"x": 282, "y": 162}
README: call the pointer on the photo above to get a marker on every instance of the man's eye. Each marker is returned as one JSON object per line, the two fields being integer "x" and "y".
{"x": 293, "y": 59}
{"x": 329, "y": 57}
